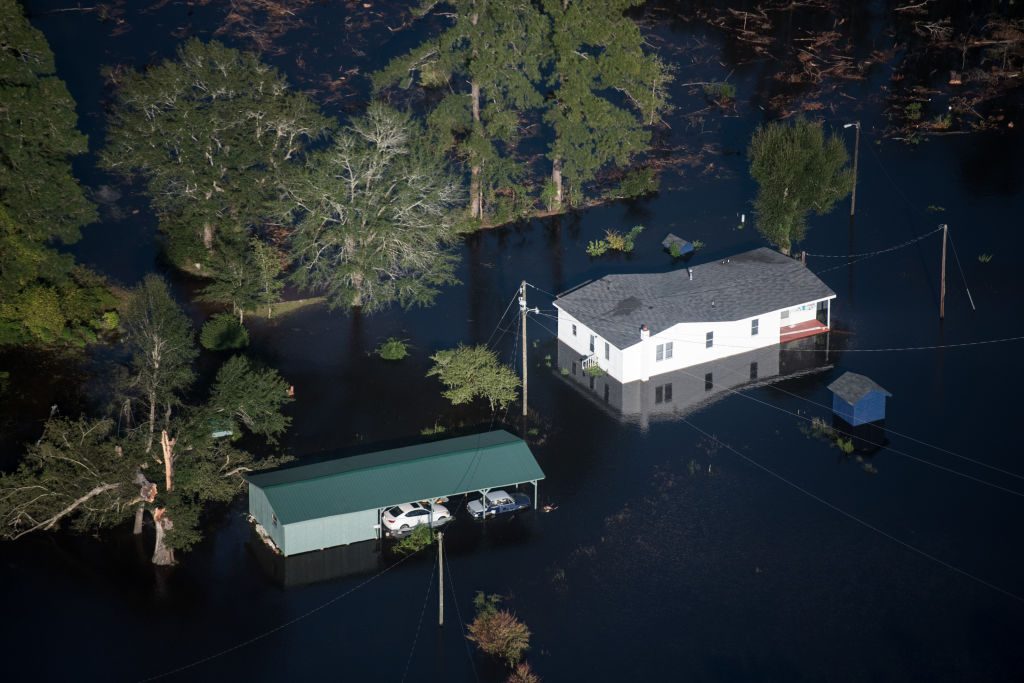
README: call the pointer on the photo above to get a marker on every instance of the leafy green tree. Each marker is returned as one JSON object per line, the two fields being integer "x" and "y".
{"x": 83, "y": 472}
{"x": 77, "y": 470}
{"x": 41, "y": 202}
{"x": 160, "y": 339}
{"x": 498, "y": 50}
{"x": 212, "y": 132}
{"x": 472, "y": 372}
{"x": 250, "y": 397}
{"x": 604, "y": 90}
{"x": 798, "y": 170}
{"x": 375, "y": 216}
{"x": 268, "y": 263}
{"x": 38, "y": 135}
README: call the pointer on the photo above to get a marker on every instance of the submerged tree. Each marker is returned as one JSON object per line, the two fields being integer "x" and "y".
{"x": 498, "y": 632}
{"x": 85, "y": 473}
{"x": 472, "y": 372}
{"x": 605, "y": 90}
{"x": 498, "y": 50}
{"x": 798, "y": 170}
{"x": 213, "y": 133}
{"x": 43, "y": 296}
{"x": 375, "y": 216}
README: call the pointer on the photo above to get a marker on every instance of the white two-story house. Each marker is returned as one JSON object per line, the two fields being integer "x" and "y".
{"x": 636, "y": 326}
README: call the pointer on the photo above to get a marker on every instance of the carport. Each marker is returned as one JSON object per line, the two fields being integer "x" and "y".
{"x": 338, "y": 502}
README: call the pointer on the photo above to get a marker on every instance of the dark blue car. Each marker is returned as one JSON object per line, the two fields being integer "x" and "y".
{"x": 498, "y": 503}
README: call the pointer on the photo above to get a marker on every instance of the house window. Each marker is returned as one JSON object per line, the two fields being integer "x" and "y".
{"x": 593, "y": 343}
{"x": 574, "y": 368}
{"x": 659, "y": 352}
{"x": 668, "y": 350}
{"x": 753, "y": 370}
{"x": 663, "y": 394}
{"x": 784, "y": 315}
{"x": 753, "y": 327}
{"x": 607, "y": 351}
{"x": 709, "y": 382}
{"x": 591, "y": 381}
{"x": 606, "y": 393}
{"x": 574, "y": 330}
{"x": 709, "y": 340}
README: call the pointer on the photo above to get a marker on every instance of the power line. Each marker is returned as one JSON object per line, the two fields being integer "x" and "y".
{"x": 498, "y": 324}
{"x": 933, "y": 347}
{"x": 462, "y": 624}
{"x": 905, "y": 436}
{"x": 961, "y": 269}
{"x": 856, "y": 519}
{"x": 879, "y": 251}
{"x": 889, "y": 448}
{"x": 542, "y": 291}
{"x": 416, "y": 637}
{"x": 280, "y": 627}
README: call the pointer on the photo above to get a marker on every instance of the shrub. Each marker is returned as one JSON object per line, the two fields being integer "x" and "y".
{"x": 498, "y": 632}
{"x": 471, "y": 372}
{"x": 433, "y": 431}
{"x": 420, "y": 538}
{"x": 636, "y": 183}
{"x": 110, "y": 321}
{"x": 392, "y": 349}
{"x": 594, "y": 371}
{"x": 597, "y": 247}
{"x": 720, "y": 90}
{"x": 523, "y": 674}
{"x": 223, "y": 332}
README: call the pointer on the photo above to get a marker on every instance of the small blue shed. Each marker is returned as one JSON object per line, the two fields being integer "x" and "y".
{"x": 858, "y": 399}
{"x": 682, "y": 247}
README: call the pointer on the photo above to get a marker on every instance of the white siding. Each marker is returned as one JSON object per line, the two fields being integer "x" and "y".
{"x": 639, "y": 362}
{"x": 581, "y": 343}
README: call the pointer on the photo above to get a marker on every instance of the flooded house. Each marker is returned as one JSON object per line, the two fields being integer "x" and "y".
{"x": 673, "y": 395}
{"x": 638, "y": 326}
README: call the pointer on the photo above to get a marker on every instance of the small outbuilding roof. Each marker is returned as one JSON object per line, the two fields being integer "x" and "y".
{"x": 684, "y": 246}
{"x": 737, "y": 287}
{"x": 422, "y": 472}
{"x": 852, "y": 387}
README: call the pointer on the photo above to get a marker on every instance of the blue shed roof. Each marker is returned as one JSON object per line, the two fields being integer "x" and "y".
{"x": 852, "y": 387}
{"x": 373, "y": 480}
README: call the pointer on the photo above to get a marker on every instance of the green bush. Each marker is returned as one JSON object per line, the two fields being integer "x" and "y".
{"x": 392, "y": 349}
{"x": 223, "y": 332}
{"x": 720, "y": 90}
{"x": 110, "y": 321}
{"x": 596, "y": 247}
{"x": 420, "y": 538}
{"x": 636, "y": 183}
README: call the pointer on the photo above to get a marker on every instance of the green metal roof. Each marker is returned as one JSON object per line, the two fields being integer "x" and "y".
{"x": 375, "y": 480}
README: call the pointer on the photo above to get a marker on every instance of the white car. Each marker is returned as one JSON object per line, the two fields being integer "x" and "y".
{"x": 407, "y": 515}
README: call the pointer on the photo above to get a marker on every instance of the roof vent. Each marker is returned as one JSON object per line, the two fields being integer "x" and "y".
{"x": 644, "y": 332}
{"x": 690, "y": 273}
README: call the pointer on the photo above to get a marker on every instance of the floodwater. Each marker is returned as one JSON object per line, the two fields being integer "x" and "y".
{"x": 759, "y": 554}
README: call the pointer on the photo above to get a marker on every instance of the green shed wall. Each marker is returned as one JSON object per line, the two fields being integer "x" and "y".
{"x": 262, "y": 512}
{"x": 326, "y": 532}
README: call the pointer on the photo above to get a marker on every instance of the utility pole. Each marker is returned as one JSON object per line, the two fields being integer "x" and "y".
{"x": 440, "y": 578}
{"x": 522, "y": 315}
{"x": 942, "y": 282}
{"x": 856, "y": 151}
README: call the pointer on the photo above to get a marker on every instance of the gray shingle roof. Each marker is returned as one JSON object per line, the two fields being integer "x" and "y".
{"x": 852, "y": 387}
{"x": 742, "y": 286}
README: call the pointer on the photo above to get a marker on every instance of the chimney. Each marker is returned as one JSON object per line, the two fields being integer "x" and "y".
{"x": 644, "y": 332}
{"x": 690, "y": 273}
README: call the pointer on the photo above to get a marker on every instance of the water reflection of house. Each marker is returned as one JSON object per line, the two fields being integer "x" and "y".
{"x": 674, "y": 394}
{"x": 638, "y": 326}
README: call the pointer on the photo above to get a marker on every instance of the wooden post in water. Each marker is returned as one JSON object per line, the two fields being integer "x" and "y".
{"x": 440, "y": 578}
{"x": 522, "y": 315}
{"x": 942, "y": 281}
{"x": 803, "y": 258}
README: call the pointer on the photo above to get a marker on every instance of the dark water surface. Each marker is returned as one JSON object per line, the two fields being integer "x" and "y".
{"x": 670, "y": 557}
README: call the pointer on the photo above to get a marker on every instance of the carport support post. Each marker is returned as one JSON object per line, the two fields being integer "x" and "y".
{"x": 534, "y": 495}
{"x": 440, "y": 578}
